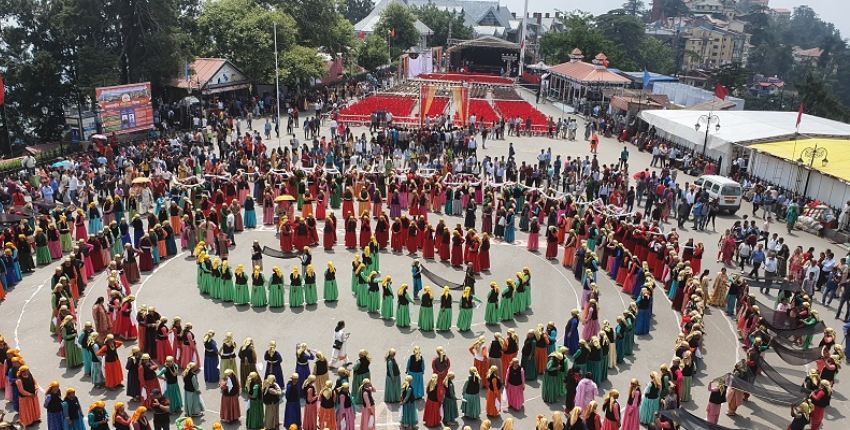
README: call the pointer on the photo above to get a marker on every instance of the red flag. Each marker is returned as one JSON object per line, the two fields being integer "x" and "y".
{"x": 2, "y": 91}
{"x": 799, "y": 115}
{"x": 605, "y": 63}
{"x": 393, "y": 32}
{"x": 720, "y": 92}
{"x": 361, "y": 35}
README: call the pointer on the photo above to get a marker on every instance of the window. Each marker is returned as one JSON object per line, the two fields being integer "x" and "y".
{"x": 731, "y": 191}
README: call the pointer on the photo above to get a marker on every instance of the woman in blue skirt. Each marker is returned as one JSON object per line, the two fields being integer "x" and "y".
{"x": 211, "y": 372}
{"x": 250, "y": 213}
{"x": 651, "y": 399}
{"x": 415, "y": 369}
{"x": 644, "y": 315}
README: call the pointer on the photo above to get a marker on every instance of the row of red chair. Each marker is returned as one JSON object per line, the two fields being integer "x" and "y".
{"x": 438, "y": 106}
{"x": 482, "y": 110}
{"x": 398, "y": 106}
{"x": 522, "y": 109}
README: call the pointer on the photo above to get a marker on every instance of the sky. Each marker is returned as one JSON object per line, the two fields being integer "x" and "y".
{"x": 824, "y": 8}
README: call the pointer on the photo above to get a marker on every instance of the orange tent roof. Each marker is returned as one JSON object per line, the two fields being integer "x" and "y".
{"x": 587, "y": 73}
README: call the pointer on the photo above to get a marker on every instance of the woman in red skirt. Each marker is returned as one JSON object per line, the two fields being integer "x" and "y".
{"x": 444, "y": 242}
{"x": 230, "y": 390}
{"x": 484, "y": 252}
{"x": 327, "y": 411}
{"x": 365, "y": 229}
{"x": 286, "y": 241}
{"x": 570, "y": 242}
{"x": 396, "y": 236}
{"x": 412, "y": 244}
{"x": 351, "y": 232}
{"x": 329, "y": 235}
{"x": 457, "y": 249}
{"x": 163, "y": 345}
{"x": 126, "y": 322}
{"x": 112, "y": 365}
{"x": 474, "y": 255}
{"x": 433, "y": 403}
{"x": 552, "y": 243}
{"x": 696, "y": 261}
{"x": 428, "y": 242}
{"x": 382, "y": 231}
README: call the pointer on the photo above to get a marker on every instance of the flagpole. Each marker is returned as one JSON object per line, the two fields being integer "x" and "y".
{"x": 522, "y": 40}
{"x": 277, "y": 86}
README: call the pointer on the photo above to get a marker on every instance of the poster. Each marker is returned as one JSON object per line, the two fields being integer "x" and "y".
{"x": 125, "y": 108}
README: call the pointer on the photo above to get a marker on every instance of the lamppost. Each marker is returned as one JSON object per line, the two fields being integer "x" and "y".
{"x": 708, "y": 120}
{"x": 810, "y": 155}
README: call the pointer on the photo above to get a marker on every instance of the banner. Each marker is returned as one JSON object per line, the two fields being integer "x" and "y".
{"x": 125, "y": 108}
{"x": 426, "y": 98}
{"x": 460, "y": 95}
{"x": 438, "y": 58}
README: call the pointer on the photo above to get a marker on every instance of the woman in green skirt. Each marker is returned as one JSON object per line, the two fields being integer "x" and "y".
{"x": 526, "y": 274}
{"x": 491, "y": 312}
{"x": 471, "y": 405}
{"x": 296, "y": 290}
{"x": 409, "y": 415}
{"x": 331, "y": 292}
{"x": 464, "y": 318}
{"x": 276, "y": 289}
{"x": 450, "y": 412}
{"x": 355, "y": 265}
{"x": 528, "y": 362}
{"x": 387, "y": 298}
{"x": 227, "y": 289}
{"x": 311, "y": 293}
{"x": 362, "y": 287}
{"x": 215, "y": 274}
{"x": 360, "y": 371}
{"x": 258, "y": 288}
{"x": 242, "y": 295}
{"x": 402, "y": 318}
{"x": 202, "y": 279}
{"x": 373, "y": 305}
{"x": 374, "y": 252}
{"x": 42, "y": 253}
{"x": 426, "y": 310}
{"x": 519, "y": 295}
{"x": 392, "y": 387}
{"x": 551, "y": 390}
{"x": 444, "y": 319}
{"x": 507, "y": 306}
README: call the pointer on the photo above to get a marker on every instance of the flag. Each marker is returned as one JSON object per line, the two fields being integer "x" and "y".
{"x": 187, "y": 70}
{"x": 646, "y": 78}
{"x": 799, "y": 114}
{"x": 719, "y": 91}
{"x": 2, "y": 91}
{"x": 605, "y": 63}
{"x": 392, "y": 33}
{"x": 361, "y": 35}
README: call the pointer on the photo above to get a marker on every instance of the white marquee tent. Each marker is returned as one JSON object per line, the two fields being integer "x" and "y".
{"x": 737, "y": 128}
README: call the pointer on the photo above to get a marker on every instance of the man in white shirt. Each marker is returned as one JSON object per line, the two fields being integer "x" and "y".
{"x": 771, "y": 266}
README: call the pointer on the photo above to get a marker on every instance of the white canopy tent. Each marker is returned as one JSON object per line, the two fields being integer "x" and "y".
{"x": 736, "y": 128}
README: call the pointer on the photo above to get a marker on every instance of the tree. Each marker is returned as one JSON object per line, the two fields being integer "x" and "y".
{"x": 243, "y": 32}
{"x": 617, "y": 26}
{"x": 318, "y": 22}
{"x": 439, "y": 20}
{"x": 398, "y": 19}
{"x": 674, "y": 8}
{"x": 581, "y": 32}
{"x": 733, "y": 77}
{"x": 355, "y": 10}
{"x": 373, "y": 52}
{"x": 818, "y": 100}
{"x": 635, "y": 8}
{"x": 655, "y": 56}
{"x": 299, "y": 64}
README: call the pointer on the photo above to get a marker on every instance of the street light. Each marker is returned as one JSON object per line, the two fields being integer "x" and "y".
{"x": 707, "y": 119}
{"x": 811, "y": 154}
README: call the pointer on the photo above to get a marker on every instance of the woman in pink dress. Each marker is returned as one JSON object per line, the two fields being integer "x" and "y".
{"x": 188, "y": 347}
{"x": 534, "y": 236}
{"x": 631, "y": 415}
{"x": 311, "y": 407}
{"x": 515, "y": 385}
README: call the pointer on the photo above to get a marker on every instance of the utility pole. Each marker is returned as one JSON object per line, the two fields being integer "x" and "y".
{"x": 277, "y": 86}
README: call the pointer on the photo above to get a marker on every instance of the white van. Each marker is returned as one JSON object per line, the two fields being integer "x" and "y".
{"x": 725, "y": 191}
